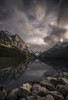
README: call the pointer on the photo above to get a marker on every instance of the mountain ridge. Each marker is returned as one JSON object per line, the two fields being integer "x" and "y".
{"x": 13, "y": 46}
{"x": 60, "y": 50}
{"x": 8, "y": 38}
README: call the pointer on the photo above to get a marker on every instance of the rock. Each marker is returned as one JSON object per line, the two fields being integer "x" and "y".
{"x": 34, "y": 93}
{"x": 3, "y": 93}
{"x": 23, "y": 93}
{"x": 37, "y": 87}
{"x": 41, "y": 91}
{"x": 47, "y": 84}
{"x": 56, "y": 81}
{"x": 49, "y": 97}
{"x": 56, "y": 95}
{"x": 22, "y": 98}
{"x": 42, "y": 94}
{"x": 12, "y": 95}
{"x": 35, "y": 98}
{"x": 24, "y": 90}
{"x": 66, "y": 97}
{"x": 62, "y": 89}
{"x": 26, "y": 86}
{"x": 43, "y": 98}
{"x": 65, "y": 74}
{"x": 44, "y": 90}
{"x": 59, "y": 74}
{"x": 65, "y": 80}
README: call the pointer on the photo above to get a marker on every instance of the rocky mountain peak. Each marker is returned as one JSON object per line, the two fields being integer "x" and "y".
{"x": 9, "y": 38}
{"x": 19, "y": 42}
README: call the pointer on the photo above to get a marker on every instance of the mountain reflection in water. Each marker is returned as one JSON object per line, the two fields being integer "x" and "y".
{"x": 35, "y": 70}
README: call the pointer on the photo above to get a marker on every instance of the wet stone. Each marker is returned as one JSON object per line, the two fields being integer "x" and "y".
{"x": 47, "y": 84}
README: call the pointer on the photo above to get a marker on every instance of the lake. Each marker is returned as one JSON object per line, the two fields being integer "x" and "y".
{"x": 15, "y": 74}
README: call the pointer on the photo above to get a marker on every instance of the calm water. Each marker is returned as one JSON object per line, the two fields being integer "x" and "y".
{"x": 14, "y": 77}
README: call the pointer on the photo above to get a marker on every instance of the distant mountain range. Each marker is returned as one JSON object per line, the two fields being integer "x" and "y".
{"x": 60, "y": 50}
{"x": 12, "y": 45}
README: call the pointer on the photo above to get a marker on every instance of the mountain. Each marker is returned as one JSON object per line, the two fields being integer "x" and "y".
{"x": 12, "y": 45}
{"x": 60, "y": 50}
{"x": 8, "y": 39}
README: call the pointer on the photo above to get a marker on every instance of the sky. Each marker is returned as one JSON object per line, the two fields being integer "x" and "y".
{"x": 40, "y": 23}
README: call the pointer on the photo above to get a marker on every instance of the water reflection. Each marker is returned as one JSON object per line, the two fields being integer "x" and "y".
{"x": 35, "y": 70}
{"x": 57, "y": 64}
{"x": 13, "y": 73}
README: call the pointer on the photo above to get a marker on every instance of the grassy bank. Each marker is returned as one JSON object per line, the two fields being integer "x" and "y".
{"x": 10, "y": 51}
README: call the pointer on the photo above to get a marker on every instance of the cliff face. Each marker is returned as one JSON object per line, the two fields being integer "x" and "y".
{"x": 8, "y": 39}
{"x": 19, "y": 43}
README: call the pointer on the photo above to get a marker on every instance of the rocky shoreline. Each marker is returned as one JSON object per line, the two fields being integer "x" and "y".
{"x": 52, "y": 88}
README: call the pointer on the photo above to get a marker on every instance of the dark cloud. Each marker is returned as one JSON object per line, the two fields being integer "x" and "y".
{"x": 31, "y": 18}
{"x": 28, "y": 6}
{"x": 60, "y": 30}
{"x": 63, "y": 12}
{"x": 6, "y": 9}
{"x": 57, "y": 31}
{"x": 5, "y": 14}
{"x": 51, "y": 5}
{"x": 55, "y": 35}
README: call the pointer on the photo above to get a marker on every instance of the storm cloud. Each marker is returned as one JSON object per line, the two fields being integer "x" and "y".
{"x": 63, "y": 12}
{"x": 59, "y": 31}
{"x": 31, "y": 20}
{"x": 55, "y": 35}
